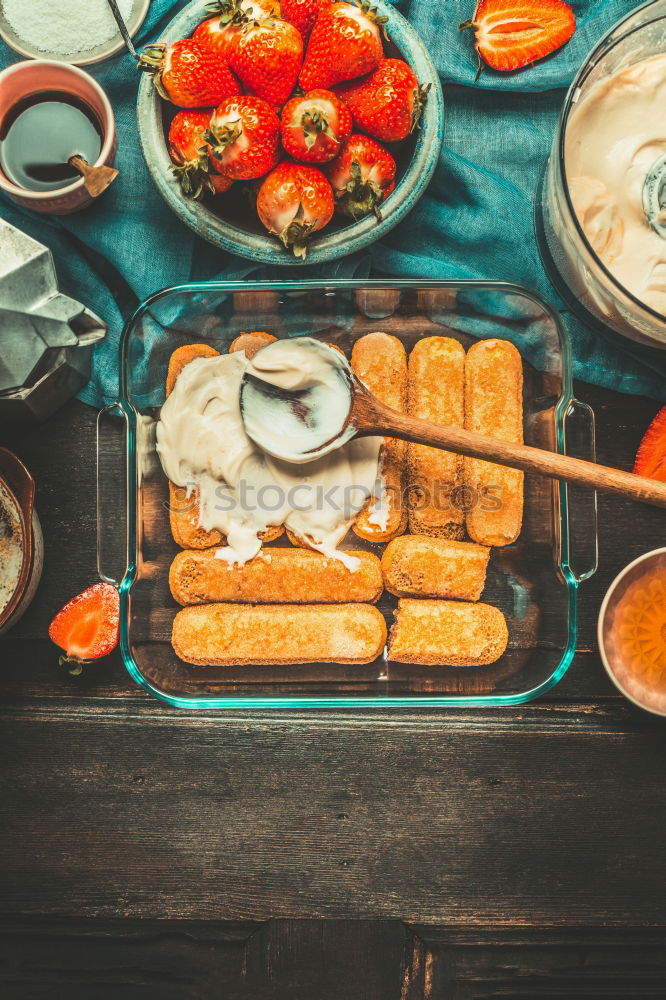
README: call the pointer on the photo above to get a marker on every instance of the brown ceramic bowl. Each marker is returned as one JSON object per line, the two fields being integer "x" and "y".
{"x": 21, "y": 544}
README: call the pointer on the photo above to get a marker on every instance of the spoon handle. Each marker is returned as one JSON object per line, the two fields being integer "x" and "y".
{"x": 122, "y": 27}
{"x": 384, "y": 421}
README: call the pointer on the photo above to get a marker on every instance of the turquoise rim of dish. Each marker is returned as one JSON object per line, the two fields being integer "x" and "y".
{"x": 570, "y": 579}
{"x": 331, "y": 246}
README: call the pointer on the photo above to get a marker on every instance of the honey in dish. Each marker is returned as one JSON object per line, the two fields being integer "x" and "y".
{"x": 639, "y": 638}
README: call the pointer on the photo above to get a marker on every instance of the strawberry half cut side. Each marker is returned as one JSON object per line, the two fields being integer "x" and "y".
{"x": 651, "y": 456}
{"x": 86, "y": 628}
{"x": 511, "y": 34}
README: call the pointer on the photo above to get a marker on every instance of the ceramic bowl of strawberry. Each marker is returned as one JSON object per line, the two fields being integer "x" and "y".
{"x": 304, "y": 135}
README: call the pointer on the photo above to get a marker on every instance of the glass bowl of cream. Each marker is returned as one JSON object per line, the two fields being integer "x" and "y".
{"x": 604, "y": 193}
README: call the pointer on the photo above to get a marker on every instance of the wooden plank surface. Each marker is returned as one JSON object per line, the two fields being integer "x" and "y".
{"x": 116, "y": 807}
{"x": 539, "y": 816}
{"x": 324, "y": 960}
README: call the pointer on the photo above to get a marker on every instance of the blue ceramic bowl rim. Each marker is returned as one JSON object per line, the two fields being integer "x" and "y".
{"x": 332, "y": 246}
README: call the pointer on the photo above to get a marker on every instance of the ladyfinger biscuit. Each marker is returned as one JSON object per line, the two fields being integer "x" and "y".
{"x": 225, "y": 635}
{"x": 435, "y": 391}
{"x": 184, "y": 507}
{"x": 251, "y": 343}
{"x": 381, "y": 364}
{"x": 184, "y": 504}
{"x": 421, "y": 566}
{"x": 447, "y": 633}
{"x": 182, "y": 356}
{"x": 276, "y": 576}
{"x": 494, "y": 406}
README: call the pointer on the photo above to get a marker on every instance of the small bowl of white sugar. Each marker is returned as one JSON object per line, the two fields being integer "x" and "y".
{"x": 72, "y": 31}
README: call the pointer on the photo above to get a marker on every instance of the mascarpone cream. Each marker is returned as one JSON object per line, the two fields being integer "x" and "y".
{"x": 614, "y": 137}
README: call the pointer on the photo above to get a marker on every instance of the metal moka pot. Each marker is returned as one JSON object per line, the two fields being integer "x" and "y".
{"x": 45, "y": 337}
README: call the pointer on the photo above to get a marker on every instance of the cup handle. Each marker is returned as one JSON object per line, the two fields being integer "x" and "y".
{"x": 112, "y": 528}
{"x": 579, "y": 546}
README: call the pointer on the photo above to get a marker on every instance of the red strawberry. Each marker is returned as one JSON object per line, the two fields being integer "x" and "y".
{"x": 189, "y": 152}
{"x": 219, "y": 183}
{"x": 651, "y": 455}
{"x": 87, "y": 627}
{"x": 387, "y": 103}
{"x": 294, "y": 202}
{"x": 189, "y": 75}
{"x": 345, "y": 43}
{"x": 267, "y": 56}
{"x": 243, "y": 138}
{"x": 314, "y": 127}
{"x": 216, "y": 33}
{"x": 362, "y": 177}
{"x": 302, "y": 14}
{"x": 511, "y": 34}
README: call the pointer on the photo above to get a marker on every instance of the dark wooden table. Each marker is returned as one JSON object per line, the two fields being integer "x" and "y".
{"x": 147, "y": 852}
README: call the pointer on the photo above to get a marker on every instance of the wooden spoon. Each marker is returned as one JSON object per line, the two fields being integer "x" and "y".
{"x": 95, "y": 179}
{"x": 367, "y": 416}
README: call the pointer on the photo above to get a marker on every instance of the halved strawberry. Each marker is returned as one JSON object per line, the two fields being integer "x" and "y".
{"x": 651, "y": 455}
{"x": 511, "y": 34}
{"x": 87, "y": 627}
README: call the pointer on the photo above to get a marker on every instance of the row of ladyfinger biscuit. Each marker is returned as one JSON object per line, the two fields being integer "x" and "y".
{"x": 482, "y": 391}
{"x": 434, "y": 633}
{"x": 411, "y": 566}
{"x": 263, "y": 613}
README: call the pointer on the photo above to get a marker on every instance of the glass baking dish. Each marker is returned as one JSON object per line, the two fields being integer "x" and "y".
{"x": 534, "y": 581}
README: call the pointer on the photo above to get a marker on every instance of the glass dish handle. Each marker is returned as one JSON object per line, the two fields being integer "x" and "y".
{"x": 582, "y": 558}
{"x": 112, "y": 539}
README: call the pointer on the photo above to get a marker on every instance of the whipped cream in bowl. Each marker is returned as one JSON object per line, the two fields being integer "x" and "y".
{"x": 615, "y": 158}
{"x": 601, "y": 210}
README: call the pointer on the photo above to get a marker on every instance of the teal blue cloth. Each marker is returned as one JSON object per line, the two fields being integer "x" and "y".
{"x": 475, "y": 221}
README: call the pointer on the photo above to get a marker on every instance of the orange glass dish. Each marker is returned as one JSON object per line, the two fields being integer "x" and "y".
{"x": 632, "y": 631}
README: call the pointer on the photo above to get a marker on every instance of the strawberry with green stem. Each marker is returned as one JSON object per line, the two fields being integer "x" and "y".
{"x": 294, "y": 202}
{"x": 243, "y": 138}
{"x": 314, "y": 126}
{"x": 216, "y": 32}
{"x": 387, "y": 103}
{"x": 189, "y": 75}
{"x": 267, "y": 55}
{"x": 362, "y": 177}
{"x": 345, "y": 43}
{"x": 188, "y": 150}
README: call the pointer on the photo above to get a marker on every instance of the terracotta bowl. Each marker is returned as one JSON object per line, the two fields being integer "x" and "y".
{"x": 21, "y": 544}
{"x": 39, "y": 75}
{"x": 234, "y": 225}
{"x": 625, "y": 680}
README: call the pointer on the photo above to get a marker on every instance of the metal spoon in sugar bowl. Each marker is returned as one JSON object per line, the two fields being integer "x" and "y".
{"x": 300, "y": 401}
